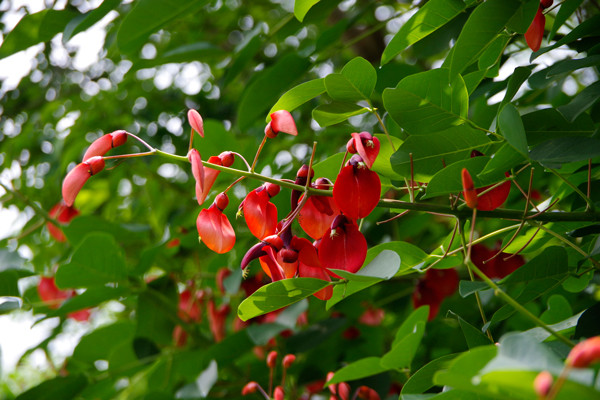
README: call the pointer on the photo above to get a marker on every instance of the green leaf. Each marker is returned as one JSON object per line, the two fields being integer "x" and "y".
{"x": 84, "y": 21}
{"x": 467, "y": 288}
{"x": 156, "y": 312}
{"x": 298, "y": 95}
{"x": 35, "y": 28}
{"x": 494, "y": 51}
{"x": 570, "y": 65}
{"x": 97, "y": 261}
{"x": 511, "y": 127}
{"x": 422, "y": 380}
{"x": 266, "y": 88}
{"x": 334, "y": 113}
{"x": 301, "y": 7}
{"x": 9, "y": 304}
{"x": 552, "y": 262}
{"x": 518, "y": 77}
{"x": 410, "y": 254}
{"x": 186, "y": 53}
{"x": 589, "y": 27}
{"x": 382, "y": 163}
{"x": 100, "y": 342}
{"x": 243, "y": 53}
{"x": 148, "y": 16}
{"x": 580, "y": 103}
{"x": 484, "y": 23}
{"x": 567, "y": 8}
{"x": 558, "y": 310}
{"x": 383, "y": 267}
{"x": 277, "y": 295}
{"x": 431, "y": 152}
{"x": 566, "y": 327}
{"x": 61, "y": 387}
{"x": 504, "y": 159}
{"x": 546, "y": 124}
{"x": 520, "y": 22}
{"x": 433, "y": 15}
{"x": 358, "y": 369}
{"x": 407, "y": 340}
{"x": 9, "y": 281}
{"x": 77, "y": 230}
{"x": 427, "y": 102}
{"x": 92, "y": 297}
{"x": 464, "y": 368}
{"x": 448, "y": 180}
{"x": 330, "y": 167}
{"x": 356, "y": 81}
{"x": 473, "y": 336}
{"x": 566, "y": 150}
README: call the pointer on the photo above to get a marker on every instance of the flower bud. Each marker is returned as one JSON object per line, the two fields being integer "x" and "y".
{"x": 343, "y": 390}
{"x": 227, "y": 158}
{"x": 543, "y": 383}
{"x": 221, "y": 201}
{"x": 272, "y": 359}
{"x": 585, "y": 353}
{"x": 195, "y": 120}
{"x": 249, "y": 388}
{"x": 77, "y": 177}
{"x": 469, "y": 191}
{"x": 278, "y": 394}
{"x": 288, "y": 360}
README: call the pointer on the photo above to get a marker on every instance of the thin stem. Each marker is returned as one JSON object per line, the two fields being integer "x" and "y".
{"x": 243, "y": 159}
{"x": 121, "y": 156}
{"x": 403, "y": 213}
{"x": 569, "y": 243}
{"x": 518, "y": 307}
{"x": 142, "y": 141}
{"x": 238, "y": 180}
{"x": 589, "y": 184}
{"x": 262, "y": 144}
{"x": 559, "y": 383}
{"x": 590, "y": 205}
{"x": 412, "y": 179}
{"x": 387, "y": 134}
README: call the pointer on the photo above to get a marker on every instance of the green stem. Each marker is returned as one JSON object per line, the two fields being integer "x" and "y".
{"x": 589, "y": 202}
{"x": 569, "y": 243}
{"x": 387, "y": 134}
{"x": 518, "y": 307}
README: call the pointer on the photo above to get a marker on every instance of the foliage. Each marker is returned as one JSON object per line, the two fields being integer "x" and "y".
{"x": 449, "y": 89}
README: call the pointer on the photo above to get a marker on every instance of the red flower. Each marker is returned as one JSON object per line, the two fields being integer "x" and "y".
{"x": 53, "y": 297}
{"x": 487, "y": 201}
{"x": 260, "y": 214}
{"x": 366, "y": 145}
{"x": 356, "y": 190}
{"x": 469, "y": 192}
{"x": 63, "y": 215}
{"x": 424, "y": 295}
{"x": 365, "y": 392}
{"x": 281, "y": 121}
{"x": 102, "y": 145}
{"x": 309, "y": 266}
{"x": 214, "y": 228}
{"x": 585, "y": 353}
{"x": 217, "y": 318}
{"x": 546, "y": 3}
{"x": 224, "y": 159}
{"x": 372, "y": 316}
{"x": 535, "y": 32}
{"x": 195, "y": 120}
{"x": 318, "y": 212}
{"x": 222, "y": 274}
{"x": 77, "y": 177}
{"x": 343, "y": 246}
{"x": 198, "y": 172}
{"x": 443, "y": 281}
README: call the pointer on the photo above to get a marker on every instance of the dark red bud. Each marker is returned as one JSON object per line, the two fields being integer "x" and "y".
{"x": 272, "y": 359}
{"x": 350, "y": 147}
{"x": 288, "y": 360}
{"x": 96, "y": 164}
{"x": 546, "y": 3}
{"x": 227, "y": 158}
{"x": 118, "y": 138}
{"x": 221, "y": 201}
{"x": 272, "y": 189}
{"x": 278, "y": 394}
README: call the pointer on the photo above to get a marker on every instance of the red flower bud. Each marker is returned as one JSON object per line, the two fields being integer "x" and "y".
{"x": 102, "y": 145}
{"x": 546, "y": 3}
{"x": 77, "y": 177}
{"x": 585, "y": 353}
{"x": 250, "y": 387}
{"x": 469, "y": 192}
{"x": 543, "y": 383}
{"x": 288, "y": 360}
{"x": 281, "y": 121}
{"x": 278, "y": 394}
{"x": 272, "y": 359}
{"x": 195, "y": 120}
{"x": 198, "y": 172}
{"x": 535, "y": 32}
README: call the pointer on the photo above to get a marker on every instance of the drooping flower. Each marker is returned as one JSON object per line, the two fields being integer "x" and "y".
{"x": 366, "y": 145}
{"x": 195, "y": 120}
{"x": 63, "y": 215}
{"x": 318, "y": 212}
{"x": 224, "y": 159}
{"x": 535, "y": 32}
{"x": 281, "y": 121}
{"x": 198, "y": 172}
{"x": 102, "y": 145}
{"x": 309, "y": 266}
{"x": 214, "y": 228}
{"x": 260, "y": 214}
{"x": 356, "y": 190}
{"x": 343, "y": 246}
{"x": 77, "y": 177}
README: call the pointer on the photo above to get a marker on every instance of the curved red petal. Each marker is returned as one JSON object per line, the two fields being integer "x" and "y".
{"x": 369, "y": 152}
{"x": 260, "y": 214}
{"x": 49, "y": 293}
{"x": 356, "y": 191}
{"x": 282, "y": 121}
{"x": 74, "y": 181}
{"x": 535, "y": 32}
{"x": 469, "y": 192}
{"x": 210, "y": 176}
{"x": 63, "y": 214}
{"x": 99, "y": 147}
{"x": 344, "y": 248}
{"x": 494, "y": 198}
{"x": 313, "y": 217}
{"x": 198, "y": 172}
{"x": 215, "y": 230}
{"x": 195, "y": 120}
{"x": 274, "y": 270}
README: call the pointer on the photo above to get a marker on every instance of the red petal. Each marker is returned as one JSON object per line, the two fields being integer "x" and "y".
{"x": 99, "y": 147}
{"x": 356, "y": 191}
{"x": 370, "y": 151}
{"x": 494, "y": 198}
{"x": 63, "y": 214}
{"x": 282, "y": 121}
{"x": 198, "y": 172}
{"x": 469, "y": 192}
{"x": 479, "y": 254}
{"x": 443, "y": 281}
{"x": 424, "y": 295}
{"x": 74, "y": 181}
{"x": 260, "y": 214}
{"x": 49, "y": 293}
{"x": 210, "y": 176}
{"x": 195, "y": 120}
{"x": 345, "y": 249}
{"x": 215, "y": 230}
{"x": 313, "y": 220}
{"x": 535, "y": 32}
{"x": 274, "y": 270}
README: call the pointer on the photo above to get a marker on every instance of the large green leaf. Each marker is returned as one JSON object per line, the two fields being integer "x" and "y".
{"x": 148, "y": 16}
{"x": 99, "y": 343}
{"x": 518, "y": 77}
{"x": 382, "y": 163}
{"x": 277, "y": 295}
{"x": 567, "y": 8}
{"x": 85, "y": 21}
{"x": 565, "y": 150}
{"x": 97, "y": 261}
{"x": 448, "y": 180}
{"x": 430, "y": 153}
{"x": 301, "y": 7}
{"x": 433, "y": 15}
{"x": 427, "y": 102}
{"x": 334, "y": 113}
{"x": 581, "y": 102}
{"x": 422, "y": 380}
{"x": 156, "y": 312}
{"x": 266, "y": 88}
{"x": 511, "y": 127}
{"x": 505, "y": 158}
{"x": 9, "y": 279}
{"x": 298, "y": 95}
{"x": 484, "y": 23}
{"x": 464, "y": 368}
{"x": 356, "y": 81}
{"x": 546, "y": 124}
{"x": 407, "y": 340}
{"x": 61, "y": 387}
{"x": 522, "y": 19}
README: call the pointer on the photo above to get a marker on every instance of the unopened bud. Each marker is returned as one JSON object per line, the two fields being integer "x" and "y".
{"x": 288, "y": 360}
{"x": 543, "y": 383}
{"x": 585, "y": 353}
{"x": 343, "y": 390}
{"x": 195, "y": 120}
{"x": 249, "y": 388}
{"x": 272, "y": 189}
{"x": 278, "y": 394}
{"x": 221, "y": 201}
{"x": 227, "y": 158}
{"x": 272, "y": 359}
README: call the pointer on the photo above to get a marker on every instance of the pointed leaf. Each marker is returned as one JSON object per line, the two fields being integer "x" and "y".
{"x": 301, "y": 7}
{"x": 511, "y": 127}
{"x": 298, "y": 95}
{"x": 358, "y": 369}
{"x": 334, "y": 113}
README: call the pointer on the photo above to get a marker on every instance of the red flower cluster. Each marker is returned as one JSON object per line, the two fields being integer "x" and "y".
{"x": 431, "y": 290}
